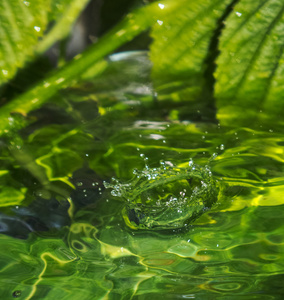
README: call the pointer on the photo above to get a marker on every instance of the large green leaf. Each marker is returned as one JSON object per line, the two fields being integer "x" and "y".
{"x": 181, "y": 45}
{"x": 250, "y": 81}
{"x": 23, "y": 22}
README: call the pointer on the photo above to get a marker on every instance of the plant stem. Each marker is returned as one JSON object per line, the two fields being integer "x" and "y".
{"x": 132, "y": 25}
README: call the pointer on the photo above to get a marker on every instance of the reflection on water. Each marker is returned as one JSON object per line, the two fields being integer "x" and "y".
{"x": 233, "y": 251}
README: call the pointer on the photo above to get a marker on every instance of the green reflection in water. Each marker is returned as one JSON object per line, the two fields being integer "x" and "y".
{"x": 235, "y": 250}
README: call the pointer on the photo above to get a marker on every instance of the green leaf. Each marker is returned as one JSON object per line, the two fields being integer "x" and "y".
{"x": 68, "y": 11}
{"x": 23, "y": 22}
{"x": 181, "y": 45}
{"x": 250, "y": 73}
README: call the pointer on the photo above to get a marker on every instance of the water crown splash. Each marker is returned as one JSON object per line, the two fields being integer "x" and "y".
{"x": 166, "y": 197}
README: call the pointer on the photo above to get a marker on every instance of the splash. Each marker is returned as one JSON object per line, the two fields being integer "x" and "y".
{"x": 166, "y": 197}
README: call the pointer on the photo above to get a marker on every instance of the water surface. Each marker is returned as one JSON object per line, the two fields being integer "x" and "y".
{"x": 234, "y": 250}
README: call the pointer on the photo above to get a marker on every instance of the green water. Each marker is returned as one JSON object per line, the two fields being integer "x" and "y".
{"x": 233, "y": 250}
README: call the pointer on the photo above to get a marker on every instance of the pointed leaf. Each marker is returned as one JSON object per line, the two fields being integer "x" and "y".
{"x": 23, "y": 22}
{"x": 250, "y": 73}
{"x": 181, "y": 44}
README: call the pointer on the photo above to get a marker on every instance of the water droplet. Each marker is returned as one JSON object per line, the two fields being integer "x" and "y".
{"x": 222, "y": 147}
{"x": 121, "y": 32}
{"x": 160, "y": 22}
{"x": 238, "y": 14}
{"x": 46, "y": 84}
{"x": 27, "y": 3}
{"x": 5, "y": 72}
{"x": 37, "y": 28}
{"x": 162, "y": 6}
{"x": 17, "y": 294}
{"x": 214, "y": 156}
{"x": 60, "y": 80}
{"x": 80, "y": 183}
{"x": 270, "y": 130}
